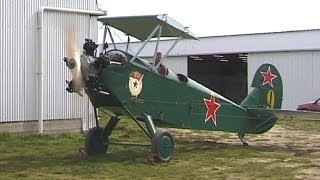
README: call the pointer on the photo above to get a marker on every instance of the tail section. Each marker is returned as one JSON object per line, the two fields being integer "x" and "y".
{"x": 266, "y": 94}
{"x": 267, "y": 89}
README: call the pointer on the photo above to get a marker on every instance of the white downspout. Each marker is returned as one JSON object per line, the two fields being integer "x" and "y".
{"x": 40, "y": 68}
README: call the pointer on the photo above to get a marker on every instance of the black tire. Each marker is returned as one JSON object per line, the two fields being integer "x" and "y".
{"x": 93, "y": 142}
{"x": 162, "y": 146}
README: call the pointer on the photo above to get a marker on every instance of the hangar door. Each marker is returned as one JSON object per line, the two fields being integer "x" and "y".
{"x": 225, "y": 74}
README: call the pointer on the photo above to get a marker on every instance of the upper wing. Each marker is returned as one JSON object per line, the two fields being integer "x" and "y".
{"x": 140, "y": 27}
{"x": 288, "y": 114}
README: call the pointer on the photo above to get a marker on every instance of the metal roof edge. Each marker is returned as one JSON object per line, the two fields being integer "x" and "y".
{"x": 261, "y": 33}
{"x": 286, "y": 41}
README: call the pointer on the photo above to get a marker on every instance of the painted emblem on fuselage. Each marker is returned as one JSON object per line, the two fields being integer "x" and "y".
{"x": 135, "y": 83}
{"x": 212, "y": 107}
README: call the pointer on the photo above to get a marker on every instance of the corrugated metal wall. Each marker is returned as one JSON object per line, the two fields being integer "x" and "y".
{"x": 299, "y": 72}
{"x": 17, "y": 77}
{"x": 18, "y": 59}
{"x": 177, "y": 64}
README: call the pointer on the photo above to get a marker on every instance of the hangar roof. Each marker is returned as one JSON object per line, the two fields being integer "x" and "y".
{"x": 302, "y": 40}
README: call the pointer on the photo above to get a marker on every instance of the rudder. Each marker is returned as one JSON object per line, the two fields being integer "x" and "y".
{"x": 266, "y": 94}
{"x": 267, "y": 89}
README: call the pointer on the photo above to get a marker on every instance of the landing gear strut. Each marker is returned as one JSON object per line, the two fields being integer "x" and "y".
{"x": 242, "y": 139}
{"x": 162, "y": 145}
{"x": 97, "y": 138}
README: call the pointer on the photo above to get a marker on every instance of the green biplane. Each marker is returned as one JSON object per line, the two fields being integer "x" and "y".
{"x": 148, "y": 91}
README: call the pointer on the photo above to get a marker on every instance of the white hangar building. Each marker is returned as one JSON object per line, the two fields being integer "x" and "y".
{"x": 226, "y": 64}
{"x": 32, "y": 72}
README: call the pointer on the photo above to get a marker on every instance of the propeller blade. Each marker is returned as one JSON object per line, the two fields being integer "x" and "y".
{"x": 73, "y": 61}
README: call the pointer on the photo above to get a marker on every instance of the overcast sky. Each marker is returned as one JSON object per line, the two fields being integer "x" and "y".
{"x": 224, "y": 17}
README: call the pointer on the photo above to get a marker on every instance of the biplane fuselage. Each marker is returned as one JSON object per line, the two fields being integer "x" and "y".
{"x": 149, "y": 91}
{"x": 172, "y": 98}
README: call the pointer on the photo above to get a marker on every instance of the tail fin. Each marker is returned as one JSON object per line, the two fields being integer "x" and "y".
{"x": 266, "y": 94}
{"x": 267, "y": 89}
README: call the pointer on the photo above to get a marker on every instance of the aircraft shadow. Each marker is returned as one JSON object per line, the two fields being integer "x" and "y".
{"x": 190, "y": 146}
{"x": 140, "y": 154}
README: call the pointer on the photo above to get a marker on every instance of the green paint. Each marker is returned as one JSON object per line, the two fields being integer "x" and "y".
{"x": 162, "y": 146}
{"x": 166, "y": 148}
{"x": 265, "y": 95}
{"x": 183, "y": 104}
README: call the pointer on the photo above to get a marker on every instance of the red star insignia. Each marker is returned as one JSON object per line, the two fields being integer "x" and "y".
{"x": 268, "y": 77}
{"x": 212, "y": 107}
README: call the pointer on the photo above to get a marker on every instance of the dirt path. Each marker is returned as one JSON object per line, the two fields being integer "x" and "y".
{"x": 303, "y": 145}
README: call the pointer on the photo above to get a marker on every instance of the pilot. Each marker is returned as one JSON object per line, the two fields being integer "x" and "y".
{"x": 162, "y": 69}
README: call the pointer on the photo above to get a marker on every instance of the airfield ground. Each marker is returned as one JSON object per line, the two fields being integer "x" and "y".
{"x": 291, "y": 150}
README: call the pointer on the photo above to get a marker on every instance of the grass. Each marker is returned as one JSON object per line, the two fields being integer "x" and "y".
{"x": 204, "y": 155}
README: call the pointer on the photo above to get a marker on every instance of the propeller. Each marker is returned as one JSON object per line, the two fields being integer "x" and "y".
{"x": 73, "y": 62}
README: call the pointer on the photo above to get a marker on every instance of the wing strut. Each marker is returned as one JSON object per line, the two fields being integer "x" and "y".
{"x": 155, "y": 30}
{"x": 111, "y": 37}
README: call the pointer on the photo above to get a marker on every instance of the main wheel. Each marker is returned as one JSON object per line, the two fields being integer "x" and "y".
{"x": 162, "y": 146}
{"x": 93, "y": 142}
